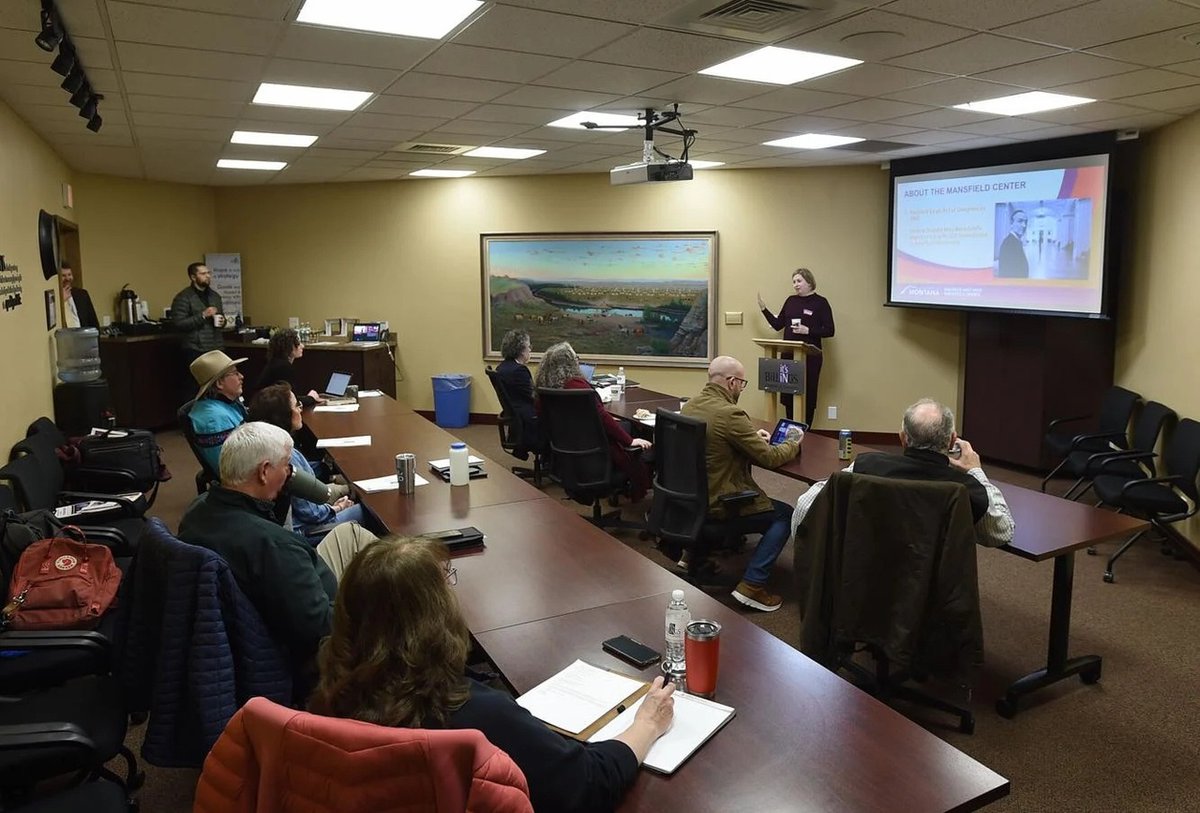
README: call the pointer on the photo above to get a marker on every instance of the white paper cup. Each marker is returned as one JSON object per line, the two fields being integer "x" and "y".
{"x": 219, "y": 319}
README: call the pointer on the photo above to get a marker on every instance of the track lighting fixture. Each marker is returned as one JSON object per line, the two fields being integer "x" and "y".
{"x": 79, "y": 98}
{"x": 94, "y": 123}
{"x": 89, "y": 108}
{"x": 65, "y": 62}
{"x": 51, "y": 34}
{"x": 74, "y": 80}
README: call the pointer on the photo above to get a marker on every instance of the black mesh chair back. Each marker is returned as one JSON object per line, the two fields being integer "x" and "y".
{"x": 1116, "y": 408}
{"x": 33, "y": 484}
{"x": 570, "y": 421}
{"x": 1181, "y": 458}
{"x": 510, "y": 424}
{"x": 45, "y": 426}
{"x": 680, "y": 502}
{"x": 206, "y": 474}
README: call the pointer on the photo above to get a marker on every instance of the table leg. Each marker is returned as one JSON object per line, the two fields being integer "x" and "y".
{"x": 1058, "y": 665}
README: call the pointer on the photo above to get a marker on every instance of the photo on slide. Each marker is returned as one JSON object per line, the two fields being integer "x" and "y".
{"x": 1043, "y": 239}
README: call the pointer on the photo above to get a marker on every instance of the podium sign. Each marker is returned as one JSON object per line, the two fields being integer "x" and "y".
{"x": 781, "y": 375}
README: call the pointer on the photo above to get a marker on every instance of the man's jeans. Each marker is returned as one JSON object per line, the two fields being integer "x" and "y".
{"x": 775, "y": 527}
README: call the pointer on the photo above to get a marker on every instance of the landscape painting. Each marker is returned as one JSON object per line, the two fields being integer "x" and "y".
{"x": 621, "y": 298}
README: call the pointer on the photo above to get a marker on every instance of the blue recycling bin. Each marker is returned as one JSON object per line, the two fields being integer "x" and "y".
{"x": 452, "y": 400}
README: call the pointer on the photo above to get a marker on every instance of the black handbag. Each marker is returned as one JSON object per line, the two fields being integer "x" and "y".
{"x": 120, "y": 460}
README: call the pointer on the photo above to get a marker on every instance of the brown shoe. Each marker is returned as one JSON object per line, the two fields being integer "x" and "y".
{"x": 757, "y": 597}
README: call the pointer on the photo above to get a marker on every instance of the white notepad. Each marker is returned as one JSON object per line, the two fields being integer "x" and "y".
{"x": 444, "y": 463}
{"x": 578, "y": 696}
{"x": 336, "y": 408}
{"x": 696, "y": 720}
{"x": 387, "y": 483}
{"x": 370, "y": 393}
{"x": 341, "y": 443}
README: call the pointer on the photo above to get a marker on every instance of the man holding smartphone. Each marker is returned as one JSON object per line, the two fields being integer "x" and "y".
{"x": 933, "y": 451}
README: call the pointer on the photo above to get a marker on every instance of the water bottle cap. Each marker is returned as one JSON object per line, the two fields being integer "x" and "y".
{"x": 676, "y": 595}
{"x": 458, "y": 445}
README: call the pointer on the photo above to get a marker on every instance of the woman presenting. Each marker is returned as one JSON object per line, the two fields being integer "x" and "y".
{"x": 806, "y": 317}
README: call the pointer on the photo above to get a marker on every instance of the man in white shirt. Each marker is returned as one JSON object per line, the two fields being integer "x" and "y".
{"x": 933, "y": 451}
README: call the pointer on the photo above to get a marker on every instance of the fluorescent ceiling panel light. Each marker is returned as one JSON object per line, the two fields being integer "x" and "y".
{"x": 706, "y": 164}
{"x": 271, "y": 139}
{"x": 780, "y": 66}
{"x": 1024, "y": 103}
{"x": 313, "y": 98}
{"x": 514, "y": 153}
{"x": 237, "y": 163}
{"x": 575, "y": 120}
{"x": 443, "y": 173}
{"x": 428, "y": 19}
{"x": 812, "y": 141}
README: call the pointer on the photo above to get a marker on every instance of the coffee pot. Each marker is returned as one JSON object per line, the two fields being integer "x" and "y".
{"x": 127, "y": 306}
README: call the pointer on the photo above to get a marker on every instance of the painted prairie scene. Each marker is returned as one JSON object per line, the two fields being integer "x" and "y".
{"x": 610, "y": 296}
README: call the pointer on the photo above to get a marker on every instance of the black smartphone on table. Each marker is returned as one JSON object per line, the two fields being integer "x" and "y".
{"x": 631, "y": 651}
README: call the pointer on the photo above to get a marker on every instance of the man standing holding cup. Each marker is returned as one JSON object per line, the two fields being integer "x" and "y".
{"x": 197, "y": 312}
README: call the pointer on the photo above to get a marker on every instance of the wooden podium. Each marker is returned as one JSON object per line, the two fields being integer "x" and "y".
{"x": 774, "y": 349}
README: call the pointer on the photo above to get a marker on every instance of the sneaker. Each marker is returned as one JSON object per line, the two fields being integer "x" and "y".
{"x": 757, "y": 597}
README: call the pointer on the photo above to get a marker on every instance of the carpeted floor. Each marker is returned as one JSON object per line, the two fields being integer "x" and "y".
{"x": 1128, "y": 744}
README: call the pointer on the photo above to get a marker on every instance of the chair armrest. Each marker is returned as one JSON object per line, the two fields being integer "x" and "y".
{"x": 1084, "y": 438}
{"x": 98, "y": 479}
{"x": 1071, "y": 419}
{"x": 1106, "y": 458}
{"x": 92, "y": 642}
{"x": 109, "y": 536}
{"x": 1170, "y": 479}
{"x": 734, "y": 503}
{"x": 44, "y": 735}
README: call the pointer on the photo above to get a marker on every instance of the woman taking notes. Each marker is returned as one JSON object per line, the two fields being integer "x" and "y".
{"x": 806, "y": 317}
{"x": 396, "y": 657}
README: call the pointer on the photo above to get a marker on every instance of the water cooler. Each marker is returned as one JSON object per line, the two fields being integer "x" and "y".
{"x": 81, "y": 398}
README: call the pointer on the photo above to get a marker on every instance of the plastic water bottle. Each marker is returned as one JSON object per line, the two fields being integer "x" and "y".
{"x": 678, "y": 616}
{"x": 621, "y": 379}
{"x": 460, "y": 473}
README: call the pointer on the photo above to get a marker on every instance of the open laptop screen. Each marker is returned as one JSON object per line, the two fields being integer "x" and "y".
{"x": 337, "y": 384}
{"x": 588, "y": 370}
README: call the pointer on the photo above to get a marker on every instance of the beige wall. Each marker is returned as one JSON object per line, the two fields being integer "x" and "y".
{"x": 408, "y": 252}
{"x": 143, "y": 233}
{"x": 32, "y": 177}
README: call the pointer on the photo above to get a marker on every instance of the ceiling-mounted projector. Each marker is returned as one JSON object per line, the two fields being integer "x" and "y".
{"x": 643, "y": 172}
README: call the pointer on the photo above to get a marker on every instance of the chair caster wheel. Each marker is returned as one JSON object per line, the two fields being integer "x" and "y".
{"x": 1091, "y": 551}
{"x": 1109, "y": 577}
{"x": 1091, "y": 675}
{"x": 967, "y": 724}
{"x": 1006, "y": 708}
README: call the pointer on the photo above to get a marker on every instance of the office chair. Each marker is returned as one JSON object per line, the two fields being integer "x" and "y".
{"x": 1126, "y": 462}
{"x": 580, "y": 457}
{"x": 1116, "y": 410}
{"x": 512, "y": 433}
{"x": 1163, "y": 500}
{"x": 99, "y": 796}
{"x": 887, "y": 567}
{"x": 679, "y": 511}
{"x": 206, "y": 476}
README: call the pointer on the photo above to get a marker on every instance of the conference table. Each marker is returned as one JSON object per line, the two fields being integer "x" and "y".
{"x": 549, "y": 587}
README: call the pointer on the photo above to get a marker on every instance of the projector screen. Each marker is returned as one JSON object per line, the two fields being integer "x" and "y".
{"x": 1018, "y": 237}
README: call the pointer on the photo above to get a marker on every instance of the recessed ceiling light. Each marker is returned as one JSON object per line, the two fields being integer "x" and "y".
{"x": 514, "y": 153}
{"x": 812, "y": 141}
{"x": 706, "y": 164}
{"x": 272, "y": 139}
{"x": 1024, "y": 103}
{"x": 408, "y": 18}
{"x": 575, "y": 120}
{"x": 780, "y": 66}
{"x": 315, "y": 98}
{"x": 237, "y": 163}
{"x": 443, "y": 173}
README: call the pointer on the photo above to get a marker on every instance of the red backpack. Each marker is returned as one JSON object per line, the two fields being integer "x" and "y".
{"x": 61, "y": 584}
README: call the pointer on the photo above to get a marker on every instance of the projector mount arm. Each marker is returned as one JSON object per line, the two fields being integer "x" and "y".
{"x": 654, "y": 122}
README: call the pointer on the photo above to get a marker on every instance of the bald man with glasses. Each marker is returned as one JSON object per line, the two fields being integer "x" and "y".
{"x": 734, "y": 444}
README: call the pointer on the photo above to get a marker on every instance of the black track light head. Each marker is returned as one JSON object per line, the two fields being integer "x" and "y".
{"x": 65, "y": 62}
{"x": 79, "y": 97}
{"x": 50, "y": 36}
{"x": 74, "y": 80}
{"x": 90, "y": 106}
{"x": 94, "y": 123}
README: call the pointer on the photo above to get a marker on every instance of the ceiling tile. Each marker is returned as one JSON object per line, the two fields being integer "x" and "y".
{"x": 1145, "y": 121}
{"x": 260, "y": 9}
{"x": 979, "y": 14}
{"x": 493, "y": 129}
{"x": 709, "y": 90}
{"x": 1185, "y": 100}
{"x": 1002, "y": 126}
{"x": 163, "y": 59}
{"x": 385, "y": 122}
{"x": 796, "y": 100}
{"x": 532, "y": 116}
{"x": 132, "y": 22}
{"x": 1191, "y": 68}
{"x": 80, "y": 17}
{"x": 669, "y": 50}
{"x": 212, "y": 108}
{"x": 164, "y": 130}
{"x": 448, "y": 87}
{"x": 555, "y": 98}
{"x": 353, "y": 47}
{"x": 18, "y": 44}
{"x": 601, "y": 76}
{"x": 885, "y": 131}
{"x": 1155, "y": 49}
{"x": 1057, "y": 70}
{"x": 937, "y": 119}
{"x": 956, "y": 91}
{"x": 870, "y": 79}
{"x": 540, "y": 32}
{"x": 633, "y": 11}
{"x": 370, "y": 135}
{"x": 981, "y": 52}
{"x": 329, "y": 75}
{"x": 375, "y": 174}
{"x": 338, "y": 141}
{"x": 489, "y": 63}
{"x": 295, "y": 115}
{"x": 1104, "y": 21}
{"x": 930, "y": 137}
{"x": 111, "y": 135}
{"x": 1085, "y": 113}
{"x": 120, "y": 161}
{"x": 414, "y": 106}
{"x": 153, "y": 84}
{"x": 257, "y": 125}
{"x": 64, "y": 117}
{"x": 731, "y": 117}
{"x": 1147, "y": 80}
{"x": 875, "y": 36}
{"x": 791, "y": 125}
{"x": 873, "y": 110}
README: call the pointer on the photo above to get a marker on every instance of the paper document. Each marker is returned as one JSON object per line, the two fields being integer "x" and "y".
{"x": 108, "y": 433}
{"x": 387, "y": 483}
{"x": 696, "y": 720}
{"x": 341, "y": 443}
{"x": 444, "y": 463}
{"x": 578, "y": 696}
{"x": 648, "y": 421}
{"x": 365, "y": 345}
{"x": 320, "y": 344}
{"x": 370, "y": 393}
{"x": 336, "y": 408}
{"x": 92, "y": 506}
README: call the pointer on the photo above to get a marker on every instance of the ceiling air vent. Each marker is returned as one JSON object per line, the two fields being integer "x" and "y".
{"x": 758, "y": 20}
{"x": 432, "y": 149}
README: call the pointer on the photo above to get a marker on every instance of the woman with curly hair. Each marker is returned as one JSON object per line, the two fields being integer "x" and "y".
{"x": 282, "y": 351}
{"x": 560, "y": 370}
{"x": 396, "y": 657}
{"x": 518, "y": 383}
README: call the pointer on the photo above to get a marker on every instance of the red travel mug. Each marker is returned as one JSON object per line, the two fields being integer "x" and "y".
{"x": 702, "y": 652}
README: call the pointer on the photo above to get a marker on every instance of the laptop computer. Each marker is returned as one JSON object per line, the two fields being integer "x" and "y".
{"x": 335, "y": 390}
{"x": 588, "y": 370}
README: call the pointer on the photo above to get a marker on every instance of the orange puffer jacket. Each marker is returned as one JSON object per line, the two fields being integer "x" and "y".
{"x": 273, "y": 759}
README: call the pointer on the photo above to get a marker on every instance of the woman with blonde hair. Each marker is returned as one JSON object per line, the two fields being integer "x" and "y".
{"x": 397, "y": 656}
{"x": 558, "y": 370}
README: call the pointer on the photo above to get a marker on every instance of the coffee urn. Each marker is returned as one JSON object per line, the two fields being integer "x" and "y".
{"x": 127, "y": 311}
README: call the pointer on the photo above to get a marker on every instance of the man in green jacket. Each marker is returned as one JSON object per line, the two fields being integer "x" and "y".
{"x": 733, "y": 446}
{"x": 197, "y": 312}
